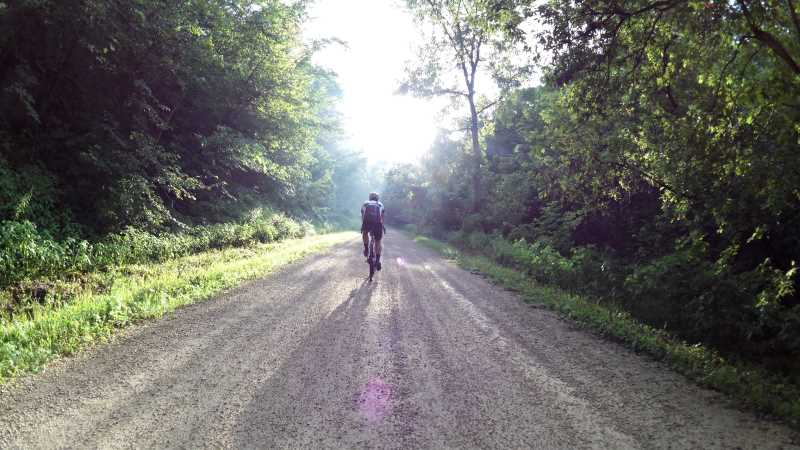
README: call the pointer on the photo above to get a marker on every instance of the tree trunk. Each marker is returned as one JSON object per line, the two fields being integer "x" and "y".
{"x": 476, "y": 155}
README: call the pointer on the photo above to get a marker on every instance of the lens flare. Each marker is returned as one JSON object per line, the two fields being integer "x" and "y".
{"x": 374, "y": 401}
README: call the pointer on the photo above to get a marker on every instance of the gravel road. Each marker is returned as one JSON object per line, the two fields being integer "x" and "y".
{"x": 312, "y": 356}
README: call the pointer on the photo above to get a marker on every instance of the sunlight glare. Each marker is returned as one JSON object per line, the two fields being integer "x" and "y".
{"x": 380, "y": 37}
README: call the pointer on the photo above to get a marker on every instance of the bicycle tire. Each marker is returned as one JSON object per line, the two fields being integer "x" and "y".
{"x": 371, "y": 269}
{"x": 371, "y": 258}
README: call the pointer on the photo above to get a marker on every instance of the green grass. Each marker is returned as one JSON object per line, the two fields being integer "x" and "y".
{"x": 748, "y": 385}
{"x": 133, "y": 293}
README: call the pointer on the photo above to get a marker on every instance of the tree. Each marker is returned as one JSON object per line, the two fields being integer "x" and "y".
{"x": 658, "y": 168}
{"x": 156, "y": 113}
{"x": 700, "y": 98}
{"x": 464, "y": 37}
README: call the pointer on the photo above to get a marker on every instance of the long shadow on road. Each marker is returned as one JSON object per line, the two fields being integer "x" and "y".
{"x": 194, "y": 364}
{"x": 310, "y": 397}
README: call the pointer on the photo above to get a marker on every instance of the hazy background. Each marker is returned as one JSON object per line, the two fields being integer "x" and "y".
{"x": 380, "y": 37}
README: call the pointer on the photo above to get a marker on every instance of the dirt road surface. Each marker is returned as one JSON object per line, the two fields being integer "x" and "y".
{"x": 427, "y": 356}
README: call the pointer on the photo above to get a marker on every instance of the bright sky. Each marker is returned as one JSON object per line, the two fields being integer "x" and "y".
{"x": 380, "y": 36}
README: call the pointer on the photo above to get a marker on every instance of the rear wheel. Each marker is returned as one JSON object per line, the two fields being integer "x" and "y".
{"x": 371, "y": 258}
{"x": 371, "y": 268}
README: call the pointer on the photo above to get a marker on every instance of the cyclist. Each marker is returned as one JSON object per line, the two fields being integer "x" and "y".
{"x": 372, "y": 213}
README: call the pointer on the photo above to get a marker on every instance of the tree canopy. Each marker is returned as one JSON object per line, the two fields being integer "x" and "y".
{"x": 158, "y": 114}
{"x": 657, "y": 165}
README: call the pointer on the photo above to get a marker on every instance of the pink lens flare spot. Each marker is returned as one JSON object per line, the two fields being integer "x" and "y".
{"x": 401, "y": 261}
{"x": 374, "y": 401}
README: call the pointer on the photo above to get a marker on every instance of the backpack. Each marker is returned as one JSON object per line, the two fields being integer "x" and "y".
{"x": 372, "y": 213}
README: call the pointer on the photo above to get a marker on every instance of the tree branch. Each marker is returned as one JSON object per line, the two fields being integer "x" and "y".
{"x": 449, "y": 92}
{"x": 467, "y": 80}
{"x": 459, "y": 130}
{"x": 653, "y": 179}
{"x": 487, "y": 106}
{"x": 660, "y": 5}
{"x": 443, "y": 23}
{"x": 793, "y": 15}
{"x": 769, "y": 40}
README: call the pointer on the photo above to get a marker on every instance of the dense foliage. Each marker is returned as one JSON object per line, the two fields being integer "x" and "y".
{"x": 151, "y": 120}
{"x": 28, "y": 254}
{"x": 657, "y": 169}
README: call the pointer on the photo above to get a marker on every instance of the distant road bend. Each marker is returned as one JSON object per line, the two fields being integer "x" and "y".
{"x": 428, "y": 356}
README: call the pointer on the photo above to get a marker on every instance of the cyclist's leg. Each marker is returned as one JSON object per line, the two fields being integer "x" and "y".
{"x": 378, "y": 234}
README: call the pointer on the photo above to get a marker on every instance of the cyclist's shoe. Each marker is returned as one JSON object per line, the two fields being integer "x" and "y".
{"x": 378, "y": 265}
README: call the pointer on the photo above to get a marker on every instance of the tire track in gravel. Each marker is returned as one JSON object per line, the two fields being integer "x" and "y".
{"x": 313, "y": 356}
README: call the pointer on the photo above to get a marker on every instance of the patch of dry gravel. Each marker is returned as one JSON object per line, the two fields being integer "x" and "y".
{"x": 428, "y": 356}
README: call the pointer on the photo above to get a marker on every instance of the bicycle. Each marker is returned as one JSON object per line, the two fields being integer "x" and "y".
{"x": 371, "y": 258}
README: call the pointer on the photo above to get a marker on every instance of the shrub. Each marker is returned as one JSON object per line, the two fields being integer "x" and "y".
{"x": 27, "y": 253}
{"x": 545, "y": 264}
{"x": 659, "y": 292}
{"x": 596, "y": 274}
{"x": 410, "y": 228}
{"x": 472, "y": 223}
{"x": 24, "y": 251}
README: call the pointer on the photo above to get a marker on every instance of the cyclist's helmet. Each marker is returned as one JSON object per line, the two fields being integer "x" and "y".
{"x": 373, "y": 196}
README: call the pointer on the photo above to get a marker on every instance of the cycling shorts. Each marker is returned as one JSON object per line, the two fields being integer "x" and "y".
{"x": 375, "y": 228}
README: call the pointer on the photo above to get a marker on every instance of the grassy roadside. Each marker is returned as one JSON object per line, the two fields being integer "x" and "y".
{"x": 748, "y": 385}
{"x": 136, "y": 292}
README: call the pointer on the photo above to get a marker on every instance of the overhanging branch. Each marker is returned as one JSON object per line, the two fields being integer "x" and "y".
{"x": 769, "y": 40}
